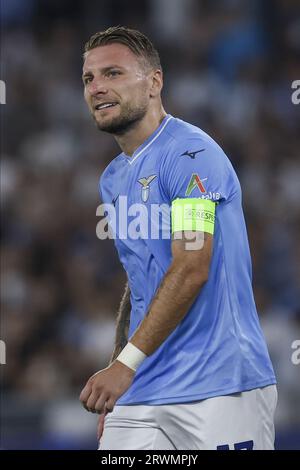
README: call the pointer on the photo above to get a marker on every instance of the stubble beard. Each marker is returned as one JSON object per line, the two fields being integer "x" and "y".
{"x": 127, "y": 120}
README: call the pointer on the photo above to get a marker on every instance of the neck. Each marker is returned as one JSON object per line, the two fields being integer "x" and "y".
{"x": 130, "y": 141}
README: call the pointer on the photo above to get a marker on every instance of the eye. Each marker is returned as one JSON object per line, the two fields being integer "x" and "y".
{"x": 113, "y": 73}
{"x": 87, "y": 79}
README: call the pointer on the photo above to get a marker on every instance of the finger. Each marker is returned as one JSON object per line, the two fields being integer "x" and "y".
{"x": 109, "y": 405}
{"x": 85, "y": 393}
{"x": 100, "y": 404}
{"x": 85, "y": 407}
{"x": 101, "y": 425}
{"x": 93, "y": 398}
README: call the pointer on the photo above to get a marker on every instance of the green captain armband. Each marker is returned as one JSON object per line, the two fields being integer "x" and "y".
{"x": 194, "y": 214}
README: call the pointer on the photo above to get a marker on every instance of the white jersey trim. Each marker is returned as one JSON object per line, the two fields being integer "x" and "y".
{"x": 151, "y": 141}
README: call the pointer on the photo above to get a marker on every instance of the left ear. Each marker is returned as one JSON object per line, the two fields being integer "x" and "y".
{"x": 156, "y": 83}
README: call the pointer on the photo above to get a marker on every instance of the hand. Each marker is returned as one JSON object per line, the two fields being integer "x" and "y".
{"x": 104, "y": 388}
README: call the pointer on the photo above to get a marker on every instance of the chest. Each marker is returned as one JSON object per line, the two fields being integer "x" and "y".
{"x": 136, "y": 183}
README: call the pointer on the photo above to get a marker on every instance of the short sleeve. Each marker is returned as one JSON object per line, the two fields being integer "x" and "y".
{"x": 196, "y": 169}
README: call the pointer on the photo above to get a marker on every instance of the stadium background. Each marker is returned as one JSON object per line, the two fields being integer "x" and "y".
{"x": 229, "y": 66}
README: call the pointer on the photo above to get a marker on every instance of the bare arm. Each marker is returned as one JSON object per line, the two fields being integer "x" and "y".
{"x": 182, "y": 283}
{"x": 122, "y": 324}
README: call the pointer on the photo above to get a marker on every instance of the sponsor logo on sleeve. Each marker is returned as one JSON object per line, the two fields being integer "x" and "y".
{"x": 195, "y": 182}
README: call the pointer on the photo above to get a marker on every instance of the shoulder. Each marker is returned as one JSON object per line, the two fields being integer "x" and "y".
{"x": 194, "y": 164}
{"x": 188, "y": 143}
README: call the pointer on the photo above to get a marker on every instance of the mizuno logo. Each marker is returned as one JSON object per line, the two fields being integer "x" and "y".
{"x": 191, "y": 154}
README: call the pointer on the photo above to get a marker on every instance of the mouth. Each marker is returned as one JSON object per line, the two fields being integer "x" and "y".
{"x": 101, "y": 106}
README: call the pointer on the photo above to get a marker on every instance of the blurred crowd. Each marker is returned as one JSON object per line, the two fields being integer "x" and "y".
{"x": 228, "y": 68}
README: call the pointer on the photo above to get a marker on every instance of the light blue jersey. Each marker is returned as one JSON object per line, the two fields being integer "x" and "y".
{"x": 218, "y": 348}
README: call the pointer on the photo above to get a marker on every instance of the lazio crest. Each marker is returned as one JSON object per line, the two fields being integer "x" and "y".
{"x": 145, "y": 182}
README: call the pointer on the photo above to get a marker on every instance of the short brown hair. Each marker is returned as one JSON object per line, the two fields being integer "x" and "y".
{"x": 136, "y": 41}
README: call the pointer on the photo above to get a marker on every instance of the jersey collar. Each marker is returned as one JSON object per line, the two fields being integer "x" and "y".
{"x": 149, "y": 141}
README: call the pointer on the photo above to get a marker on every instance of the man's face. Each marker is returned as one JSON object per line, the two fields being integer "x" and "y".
{"x": 116, "y": 87}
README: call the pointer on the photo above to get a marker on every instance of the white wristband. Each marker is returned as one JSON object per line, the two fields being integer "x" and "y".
{"x": 131, "y": 356}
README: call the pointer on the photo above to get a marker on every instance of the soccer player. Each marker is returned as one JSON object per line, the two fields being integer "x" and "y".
{"x": 190, "y": 369}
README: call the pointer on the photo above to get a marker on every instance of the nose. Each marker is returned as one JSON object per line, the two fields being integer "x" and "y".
{"x": 97, "y": 87}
